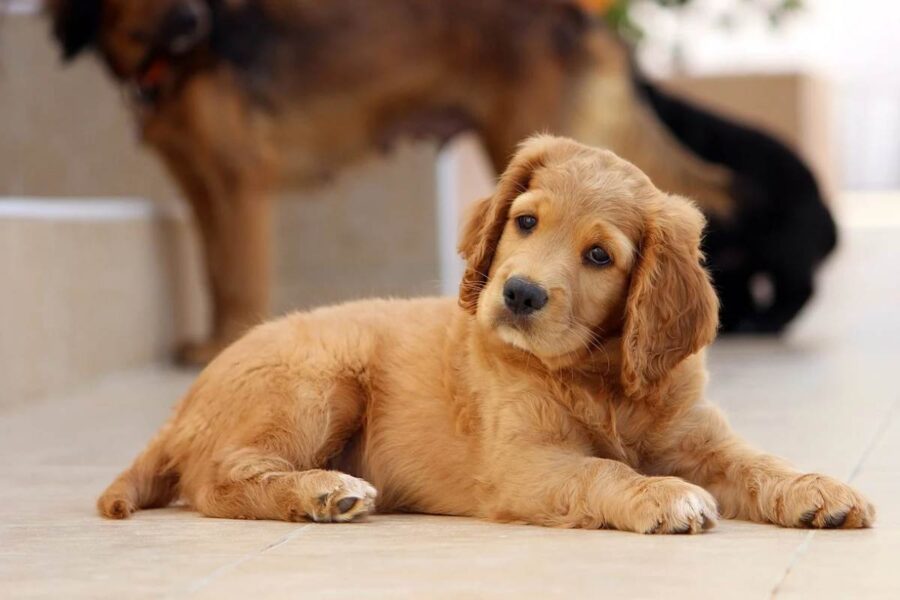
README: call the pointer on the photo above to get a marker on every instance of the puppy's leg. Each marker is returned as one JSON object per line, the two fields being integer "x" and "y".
{"x": 149, "y": 482}
{"x": 274, "y": 469}
{"x": 751, "y": 485}
{"x": 250, "y": 484}
{"x": 565, "y": 488}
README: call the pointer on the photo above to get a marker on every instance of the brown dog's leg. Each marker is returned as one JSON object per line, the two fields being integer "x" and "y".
{"x": 561, "y": 489}
{"x": 235, "y": 230}
{"x": 751, "y": 485}
{"x": 222, "y": 162}
{"x": 234, "y": 227}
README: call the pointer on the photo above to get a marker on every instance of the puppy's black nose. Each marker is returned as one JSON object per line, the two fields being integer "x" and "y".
{"x": 523, "y": 297}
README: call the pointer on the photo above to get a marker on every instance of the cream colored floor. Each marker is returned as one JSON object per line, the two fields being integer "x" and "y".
{"x": 826, "y": 397}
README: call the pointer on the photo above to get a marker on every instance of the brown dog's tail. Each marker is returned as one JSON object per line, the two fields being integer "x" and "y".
{"x": 150, "y": 482}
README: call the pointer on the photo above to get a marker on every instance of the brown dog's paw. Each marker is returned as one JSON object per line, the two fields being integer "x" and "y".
{"x": 672, "y": 505}
{"x": 336, "y": 498}
{"x": 821, "y": 502}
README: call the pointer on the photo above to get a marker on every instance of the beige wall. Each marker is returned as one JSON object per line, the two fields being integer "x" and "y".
{"x": 86, "y": 289}
{"x": 65, "y": 131}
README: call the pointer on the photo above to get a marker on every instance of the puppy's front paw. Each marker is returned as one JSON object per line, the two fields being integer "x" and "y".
{"x": 672, "y": 505}
{"x": 821, "y": 502}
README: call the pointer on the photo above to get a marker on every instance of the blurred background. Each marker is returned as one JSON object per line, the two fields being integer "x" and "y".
{"x": 95, "y": 237}
{"x": 847, "y": 50}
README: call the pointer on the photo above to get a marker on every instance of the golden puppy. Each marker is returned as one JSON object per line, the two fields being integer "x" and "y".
{"x": 566, "y": 391}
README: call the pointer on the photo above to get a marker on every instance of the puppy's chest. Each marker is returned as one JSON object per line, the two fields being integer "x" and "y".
{"x": 614, "y": 429}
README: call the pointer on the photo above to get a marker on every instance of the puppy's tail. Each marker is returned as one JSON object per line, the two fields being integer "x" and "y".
{"x": 150, "y": 482}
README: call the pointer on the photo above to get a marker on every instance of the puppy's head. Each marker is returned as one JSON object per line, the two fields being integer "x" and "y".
{"x": 577, "y": 247}
{"x": 129, "y": 31}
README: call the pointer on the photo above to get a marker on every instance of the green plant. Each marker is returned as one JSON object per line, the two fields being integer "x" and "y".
{"x": 621, "y": 17}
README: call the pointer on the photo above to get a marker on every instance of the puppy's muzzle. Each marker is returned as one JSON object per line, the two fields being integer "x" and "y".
{"x": 523, "y": 297}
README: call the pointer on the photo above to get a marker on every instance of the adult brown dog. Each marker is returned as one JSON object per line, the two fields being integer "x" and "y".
{"x": 565, "y": 390}
{"x": 239, "y": 96}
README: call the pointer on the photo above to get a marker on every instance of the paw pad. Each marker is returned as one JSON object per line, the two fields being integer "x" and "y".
{"x": 345, "y": 505}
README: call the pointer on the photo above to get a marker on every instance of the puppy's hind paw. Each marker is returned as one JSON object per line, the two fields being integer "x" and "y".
{"x": 354, "y": 499}
{"x": 336, "y": 498}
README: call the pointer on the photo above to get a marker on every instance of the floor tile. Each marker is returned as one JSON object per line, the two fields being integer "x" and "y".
{"x": 859, "y": 564}
{"x": 824, "y": 397}
{"x": 431, "y": 557}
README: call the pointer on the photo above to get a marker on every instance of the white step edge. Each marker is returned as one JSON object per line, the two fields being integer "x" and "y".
{"x": 84, "y": 209}
{"x": 88, "y": 286}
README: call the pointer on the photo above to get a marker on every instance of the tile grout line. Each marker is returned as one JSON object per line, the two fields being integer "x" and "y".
{"x": 879, "y": 435}
{"x": 796, "y": 555}
{"x": 867, "y": 451}
{"x": 215, "y": 574}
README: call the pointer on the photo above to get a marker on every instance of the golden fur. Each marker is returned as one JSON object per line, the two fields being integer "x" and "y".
{"x": 587, "y": 413}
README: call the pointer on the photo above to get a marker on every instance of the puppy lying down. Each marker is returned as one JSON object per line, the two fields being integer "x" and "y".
{"x": 564, "y": 389}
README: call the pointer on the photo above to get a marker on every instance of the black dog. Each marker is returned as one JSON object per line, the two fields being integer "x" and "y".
{"x": 782, "y": 229}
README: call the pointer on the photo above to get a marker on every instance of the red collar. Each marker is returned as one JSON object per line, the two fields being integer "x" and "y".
{"x": 150, "y": 80}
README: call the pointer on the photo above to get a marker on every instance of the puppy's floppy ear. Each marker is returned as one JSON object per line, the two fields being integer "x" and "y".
{"x": 469, "y": 246}
{"x": 672, "y": 309}
{"x": 76, "y": 24}
{"x": 488, "y": 217}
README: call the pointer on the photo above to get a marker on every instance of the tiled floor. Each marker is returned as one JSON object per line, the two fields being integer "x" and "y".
{"x": 825, "y": 397}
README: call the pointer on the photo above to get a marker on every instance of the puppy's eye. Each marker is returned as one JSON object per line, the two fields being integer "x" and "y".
{"x": 526, "y": 223}
{"x": 598, "y": 257}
